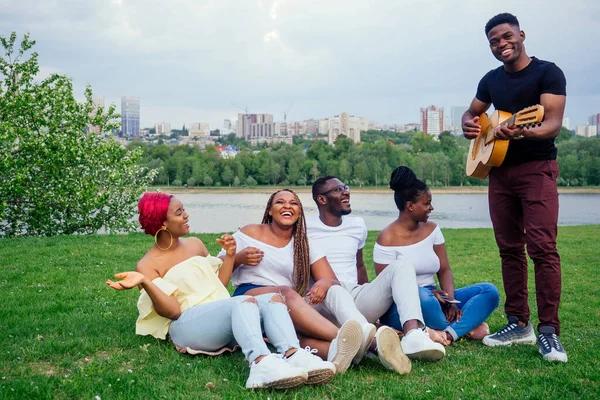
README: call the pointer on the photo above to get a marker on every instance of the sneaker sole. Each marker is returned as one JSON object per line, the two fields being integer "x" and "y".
{"x": 494, "y": 343}
{"x": 349, "y": 341}
{"x": 554, "y": 356}
{"x": 285, "y": 383}
{"x": 390, "y": 352}
{"x": 367, "y": 343}
{"x": 427, "y": 355}
{"x": 320, "y": 376}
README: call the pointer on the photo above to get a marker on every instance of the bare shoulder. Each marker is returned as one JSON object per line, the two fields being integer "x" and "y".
{"x": 429, "y": 227}
{"x": 386, "y": 236}
{"x": 196, "y": 246}
{"x": 147, "y": 266}
{"x": 253, "y": 230}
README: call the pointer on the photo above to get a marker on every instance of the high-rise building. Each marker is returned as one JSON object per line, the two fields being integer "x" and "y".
{"x": 594, "y": 120}
{"x": 432, "y": 120}
{"x": 162, "y": 128}
{"x": 199, "y": 129}
{"x": 130, "y": 116}
{"x": 98, "y": 102}
{"x": 587, "y": 130}
{"x": 346, "y": 124}
{"x": 456, "y": 121}
{"x": 565, "y": 123}
{"x": 255, "y": 126}
{"x": 312, "y": 126}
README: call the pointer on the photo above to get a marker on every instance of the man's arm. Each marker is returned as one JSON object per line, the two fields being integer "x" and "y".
{"x": 361, "y": 268}
{"x": 554, "y": 108}
{"x": 470, "y": 119}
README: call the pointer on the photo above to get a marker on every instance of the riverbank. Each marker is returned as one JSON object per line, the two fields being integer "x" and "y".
{"x": 364, "y": 189}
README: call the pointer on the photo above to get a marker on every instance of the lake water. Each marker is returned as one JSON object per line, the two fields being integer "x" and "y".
{"x": 219, "y": 212}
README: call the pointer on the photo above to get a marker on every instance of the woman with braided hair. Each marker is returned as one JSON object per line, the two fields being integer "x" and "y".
{"x": 276, "y": 257}
{"x": 183, "y": 295}
{"x": 411, "y": 236}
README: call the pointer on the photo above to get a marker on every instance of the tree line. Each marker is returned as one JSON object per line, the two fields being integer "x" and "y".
{"x": 438, "y": 162}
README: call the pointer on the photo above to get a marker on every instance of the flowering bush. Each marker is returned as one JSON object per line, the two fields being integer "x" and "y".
{"x": 57, "y": 176}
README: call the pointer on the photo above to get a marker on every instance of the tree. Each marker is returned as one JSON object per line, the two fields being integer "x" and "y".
{"x": 57, "y": 175}
{"x": 207, "y": 181}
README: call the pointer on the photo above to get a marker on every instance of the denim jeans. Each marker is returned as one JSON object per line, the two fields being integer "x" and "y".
{"x": 211, "y": 326}
{"x": 477, "y": 302}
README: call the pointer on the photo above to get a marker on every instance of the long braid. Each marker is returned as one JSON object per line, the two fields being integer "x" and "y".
{"x": 301, "y": 248}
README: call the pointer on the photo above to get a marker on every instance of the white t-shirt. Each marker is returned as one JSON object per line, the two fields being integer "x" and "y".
{"x": 276, "y": 267}
{"x": 420, "y": 254}
{"x": 339, "y": 244}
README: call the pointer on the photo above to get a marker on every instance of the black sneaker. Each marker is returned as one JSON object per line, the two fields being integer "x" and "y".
{"x": 550, "y": 347}
{"x": 512, "y": 333}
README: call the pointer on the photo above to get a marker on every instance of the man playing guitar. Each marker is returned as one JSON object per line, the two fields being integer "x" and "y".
{"x": 523, "y": 195}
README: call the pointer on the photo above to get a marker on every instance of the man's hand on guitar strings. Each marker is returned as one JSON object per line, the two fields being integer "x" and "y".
{"x": 508, "y": 132}
{"x": 471, "y": 128}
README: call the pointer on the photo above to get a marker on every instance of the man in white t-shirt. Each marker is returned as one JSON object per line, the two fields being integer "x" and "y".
{"x": 342, "y": 238}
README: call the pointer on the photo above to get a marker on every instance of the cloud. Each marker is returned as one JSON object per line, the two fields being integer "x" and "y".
{"x": 377, "y": 58}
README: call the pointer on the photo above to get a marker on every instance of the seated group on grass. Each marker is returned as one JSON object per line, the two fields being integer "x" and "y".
{"x": 302, "y": 283}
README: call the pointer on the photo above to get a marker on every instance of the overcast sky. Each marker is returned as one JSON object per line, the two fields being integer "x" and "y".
{"x": 189, "y": 60}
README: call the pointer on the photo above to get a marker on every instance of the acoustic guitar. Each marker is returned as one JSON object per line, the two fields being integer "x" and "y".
{"x": 485, "y": 151}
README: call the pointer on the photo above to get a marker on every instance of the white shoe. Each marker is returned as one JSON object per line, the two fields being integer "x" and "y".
{"x": 390, "y": 351}
{"x": 319, "y": 371}
{"x": 368, "y": 333}
{"x": 417, "y": 345}
{"x": 345, "y": 346}
{"x": 273, "y": 372}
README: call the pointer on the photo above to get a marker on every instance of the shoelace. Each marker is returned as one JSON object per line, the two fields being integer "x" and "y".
{"x": 507, "y": 328}
{"x": 550, "y": 340}
{"x": 311, "y": 351}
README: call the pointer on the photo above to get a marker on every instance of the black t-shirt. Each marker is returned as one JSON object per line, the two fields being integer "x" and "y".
{"x": 512, "y": 92}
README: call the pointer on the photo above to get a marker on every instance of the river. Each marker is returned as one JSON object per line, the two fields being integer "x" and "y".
{"x": 226, "y": 212}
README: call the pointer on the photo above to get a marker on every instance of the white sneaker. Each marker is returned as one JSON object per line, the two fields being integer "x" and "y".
{"x": 345, "y": 346}
{"x": 417, "y": 345}
{"x": 319, "y": 371}
{"x": 368, "y": 333}
{"x": 273, "y": 372}
{"x": 390, "y": 351}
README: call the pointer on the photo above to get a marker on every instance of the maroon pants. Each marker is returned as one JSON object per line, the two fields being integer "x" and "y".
{"x": 523, "y": 202}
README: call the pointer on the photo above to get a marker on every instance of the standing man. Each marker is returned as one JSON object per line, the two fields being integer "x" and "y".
{"x": 523, "y": 195}
{"x": 342, "y": 238}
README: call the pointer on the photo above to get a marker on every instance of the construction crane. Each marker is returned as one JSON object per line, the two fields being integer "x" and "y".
{"x": 285, "y": 114}
{"x": 245, "y": 110}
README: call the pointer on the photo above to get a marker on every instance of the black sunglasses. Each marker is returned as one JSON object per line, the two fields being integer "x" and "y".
{"x": 338, "y": 189}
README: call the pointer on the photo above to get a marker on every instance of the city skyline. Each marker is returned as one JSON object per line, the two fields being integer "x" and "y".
{"x": 383, "y": 60}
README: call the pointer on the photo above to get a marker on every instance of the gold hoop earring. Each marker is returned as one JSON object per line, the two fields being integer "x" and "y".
{"x": 156, "y": 238}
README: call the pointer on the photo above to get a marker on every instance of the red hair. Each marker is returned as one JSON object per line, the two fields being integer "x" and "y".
{"x": 153, "y": 207}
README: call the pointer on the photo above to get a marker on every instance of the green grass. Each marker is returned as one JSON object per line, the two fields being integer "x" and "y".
{"x": 64, "y": 334}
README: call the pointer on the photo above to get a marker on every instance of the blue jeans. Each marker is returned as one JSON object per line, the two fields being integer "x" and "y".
{"x": 477, "y": 302}
{"x": 211, "y": 326}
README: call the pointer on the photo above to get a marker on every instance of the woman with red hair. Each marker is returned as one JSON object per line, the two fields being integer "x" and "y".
{"x": 183, "y": 295}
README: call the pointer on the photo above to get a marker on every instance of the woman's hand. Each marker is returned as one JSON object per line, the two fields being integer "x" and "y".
{"x": 227, "y": 242}
{"x": 129, "y": 280}
{"x": 318, "y": 292}
{"x": 250, "y": 256}
{"x": 438, "y": 295}
{"x": 453, "y": 313}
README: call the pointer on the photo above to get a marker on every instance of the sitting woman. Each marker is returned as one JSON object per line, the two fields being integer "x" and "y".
{"x": 457, "y": 312}
{"x": 275, "y": 256}
{"x": 183, "y": 295}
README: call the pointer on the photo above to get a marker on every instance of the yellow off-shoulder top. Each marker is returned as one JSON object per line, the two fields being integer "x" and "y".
{"x": 193, "y": 281}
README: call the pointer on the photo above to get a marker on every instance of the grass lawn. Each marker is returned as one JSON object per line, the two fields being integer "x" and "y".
{"x": 64, "y": 334}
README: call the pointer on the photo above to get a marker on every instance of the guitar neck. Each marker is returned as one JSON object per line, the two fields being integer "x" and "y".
{"x": 510, "y": 121}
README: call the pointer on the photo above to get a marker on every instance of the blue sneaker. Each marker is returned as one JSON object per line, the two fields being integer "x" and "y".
{"x": 550, "y": 347}
{"x": 512, "y": 333}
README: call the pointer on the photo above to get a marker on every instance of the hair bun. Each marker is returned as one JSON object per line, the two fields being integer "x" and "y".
{"x": 402, "y": 177}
